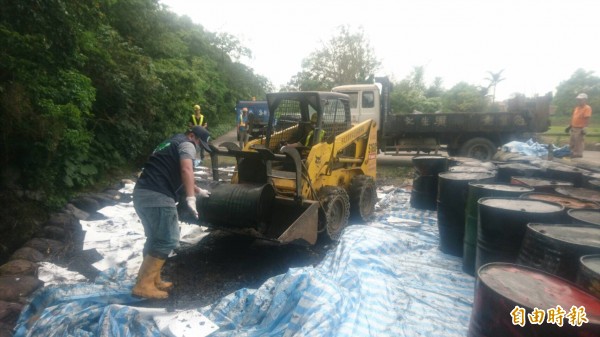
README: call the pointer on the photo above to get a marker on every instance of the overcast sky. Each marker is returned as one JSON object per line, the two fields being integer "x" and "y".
{"x": 537, "y": 43}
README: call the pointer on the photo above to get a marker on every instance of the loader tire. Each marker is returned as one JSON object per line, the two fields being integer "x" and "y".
{"x": 333, "y": 216}
{"x": 363, "y": 197}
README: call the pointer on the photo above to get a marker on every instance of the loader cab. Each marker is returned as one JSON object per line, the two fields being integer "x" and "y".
{"x": 290, "y": 120}
{"x": 365, "y": 101}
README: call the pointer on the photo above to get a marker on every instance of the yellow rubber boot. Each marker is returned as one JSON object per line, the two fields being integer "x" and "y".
{"x": 145, "y": 286}
{"x": 160, "y": 284}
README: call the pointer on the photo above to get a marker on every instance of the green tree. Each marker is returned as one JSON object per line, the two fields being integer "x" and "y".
{"x": 494, "y": 79}
{"x": 412, "y": 93}
{"x": 580, "y": 81}
{"x": 463, "y": 97}
{"x": 86, "y": 87}
{"x": 347, "y": 58}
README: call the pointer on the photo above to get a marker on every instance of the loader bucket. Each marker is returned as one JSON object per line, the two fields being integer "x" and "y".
{"x": 293, "y": 223}
{"x": 255, "y": 210}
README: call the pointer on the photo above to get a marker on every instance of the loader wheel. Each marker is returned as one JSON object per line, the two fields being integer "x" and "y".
{"x": 333, "y": 216}
{"x": 363, "y": 196}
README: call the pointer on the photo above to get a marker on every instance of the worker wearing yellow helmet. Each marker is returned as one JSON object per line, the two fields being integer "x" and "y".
{"x": 197, "y": 119}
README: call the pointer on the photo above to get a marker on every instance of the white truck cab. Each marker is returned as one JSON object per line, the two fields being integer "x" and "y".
{"x": 365, "y": 101}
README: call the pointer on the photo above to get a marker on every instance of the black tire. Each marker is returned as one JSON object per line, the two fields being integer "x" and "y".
{"x": 478, "y": 148}
{"x": 333, "y": 216}
{"x": 363, "y": 197}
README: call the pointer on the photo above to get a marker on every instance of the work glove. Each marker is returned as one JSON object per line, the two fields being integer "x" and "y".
{"x": 204, "y": 193}
{"x": 191, "y": 202}
{"x": 568, "y": 129}
{"x": 584, "y": 131}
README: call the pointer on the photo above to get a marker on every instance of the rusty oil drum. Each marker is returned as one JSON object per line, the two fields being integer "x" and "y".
{"x": 557, "y": 248}
{"x": 579, "y": 193}
{"x": 424, "y": 191}
{"x": 453, "y": 189}
{"x": 503, "y": 287}
{"x": 477, "y": 191}
{"x": 588, "y": 275}
{"x": 569, "y": 202}
{"x": 540, "y": 184}
{"x": 503, "y": 223}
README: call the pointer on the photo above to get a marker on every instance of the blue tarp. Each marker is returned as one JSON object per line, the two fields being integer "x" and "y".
{"x": 386, "y": 278}
{"x": 531, "y": 148}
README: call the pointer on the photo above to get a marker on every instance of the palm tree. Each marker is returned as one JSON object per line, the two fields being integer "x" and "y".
{"x": 494, "y": 79}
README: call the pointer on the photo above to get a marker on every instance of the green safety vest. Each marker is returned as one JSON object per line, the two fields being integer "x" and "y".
{"x": 310, "y": 134}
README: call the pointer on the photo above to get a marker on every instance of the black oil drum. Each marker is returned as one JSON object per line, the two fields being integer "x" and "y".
{"x": 466, "y": 161}
{"x": 430, "y": 165}
{"x": 453, "y": 189}
{"x": 502, "y": 225}
{"x": 565, "y": 173}
{"x": 477, "y": 191}
{"x": 470, "y": 169}
{"x": 588, "y": 275}
{"x": 592, "y": 185}
{"x": 238, "y": 205}
{"x": 556, "y": 249}
{"x": 424, "y": 189}
{"x": 588, "y": 217}
{"x": 579, "y": 193}
{"x": 506, "y": 293}
{"x": 589, "y": 176}
{"x": 424, "y": 192}
{"x": 509, "y": 170}
{"x": 539, "y": 184}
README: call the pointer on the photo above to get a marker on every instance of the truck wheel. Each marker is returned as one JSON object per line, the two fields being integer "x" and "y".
{"x": 478, "y": 148}
{"x": 363, "y": 196}
{"x": 333, "y": 216}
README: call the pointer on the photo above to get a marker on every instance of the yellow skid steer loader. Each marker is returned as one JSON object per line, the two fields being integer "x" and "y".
{"x": 311, "y": 171}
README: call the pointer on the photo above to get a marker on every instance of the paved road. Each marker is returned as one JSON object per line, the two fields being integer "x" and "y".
{"x": 590, "y": 160}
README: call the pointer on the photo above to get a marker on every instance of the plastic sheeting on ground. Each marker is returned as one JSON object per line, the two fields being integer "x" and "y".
{"x": 528, "y": 148}
{"x": 386, "y": 278}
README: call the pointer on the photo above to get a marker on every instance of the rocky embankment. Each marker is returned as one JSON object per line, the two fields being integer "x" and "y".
{"x": 59, "y": 241}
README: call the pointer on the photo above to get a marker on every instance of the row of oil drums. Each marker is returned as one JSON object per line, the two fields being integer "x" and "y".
{"x": 531, "y": 235}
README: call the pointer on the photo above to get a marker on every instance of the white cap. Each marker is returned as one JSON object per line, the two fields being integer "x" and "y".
{"x": 582, "y": 96}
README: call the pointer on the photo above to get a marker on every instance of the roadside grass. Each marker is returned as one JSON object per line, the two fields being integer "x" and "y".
{"x": 557, "y": 135}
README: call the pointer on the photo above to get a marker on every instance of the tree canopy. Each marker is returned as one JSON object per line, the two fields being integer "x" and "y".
{"x": 347, "y": 58}
{"x": 88, "y": 86}
{"x": 581, "y": 81}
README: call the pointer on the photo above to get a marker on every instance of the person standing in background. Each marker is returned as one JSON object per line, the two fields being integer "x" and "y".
{"x": 166, "y": 174}
{"x": 580, "y": 119}
{"x": 242, "y": 127}
{"x": 197, "y": 118}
